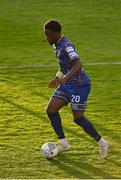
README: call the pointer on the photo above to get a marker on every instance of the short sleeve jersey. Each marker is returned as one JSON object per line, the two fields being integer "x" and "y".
{"x": 66, "y": 53}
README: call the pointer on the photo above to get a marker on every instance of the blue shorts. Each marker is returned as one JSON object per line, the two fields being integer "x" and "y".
{"x": 75, "y": 94}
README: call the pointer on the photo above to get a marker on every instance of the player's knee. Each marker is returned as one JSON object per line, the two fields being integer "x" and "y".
{"x": 49, "y": 110}
{"x": 78, "y": 114}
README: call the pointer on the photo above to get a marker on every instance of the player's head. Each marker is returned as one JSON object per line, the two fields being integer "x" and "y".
{"x": 52, "y": 31}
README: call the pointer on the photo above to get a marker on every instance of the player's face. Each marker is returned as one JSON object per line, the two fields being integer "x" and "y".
{"x": 50, "y": 36}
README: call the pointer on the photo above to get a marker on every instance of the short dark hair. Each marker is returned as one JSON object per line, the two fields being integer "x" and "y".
{"x": 53, "y": 25}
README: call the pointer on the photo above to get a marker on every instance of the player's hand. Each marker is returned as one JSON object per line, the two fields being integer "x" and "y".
{"x": 54, "y": 83}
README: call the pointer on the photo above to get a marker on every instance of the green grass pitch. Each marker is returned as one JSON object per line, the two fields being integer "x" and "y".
{"x": 27, "y": 64}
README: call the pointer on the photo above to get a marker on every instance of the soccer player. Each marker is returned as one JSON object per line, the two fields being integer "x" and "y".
{"x": 72, "y": 86}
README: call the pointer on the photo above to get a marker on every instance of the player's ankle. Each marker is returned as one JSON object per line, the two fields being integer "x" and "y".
{"x": 102, "y": 142}
{"x": 63, "y": 141}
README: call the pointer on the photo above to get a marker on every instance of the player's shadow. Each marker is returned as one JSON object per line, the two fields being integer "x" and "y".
{"x": 43, "y": 117}
{"x": 71, "y": 167}
{"x": 115, "y": 163}
{"x": 77, "y": 167}
{"x": 21, "y": 107}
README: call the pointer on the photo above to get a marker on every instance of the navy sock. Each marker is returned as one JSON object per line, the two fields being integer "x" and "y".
{"x": 88, "y": 127}
{"x": 56, "y": 124}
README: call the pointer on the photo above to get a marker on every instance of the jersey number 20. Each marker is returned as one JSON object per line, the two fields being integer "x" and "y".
{"x": 75, "y": 98}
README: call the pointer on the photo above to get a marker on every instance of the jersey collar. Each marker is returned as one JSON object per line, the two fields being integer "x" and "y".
{"x": 59, "y": 41}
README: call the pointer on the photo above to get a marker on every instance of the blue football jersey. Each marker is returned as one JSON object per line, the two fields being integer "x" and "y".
{"x": 66, "y": 53}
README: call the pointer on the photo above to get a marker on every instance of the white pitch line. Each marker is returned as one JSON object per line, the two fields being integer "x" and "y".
{"x": 29, "y": 66}
{"x": 102, "y": 63}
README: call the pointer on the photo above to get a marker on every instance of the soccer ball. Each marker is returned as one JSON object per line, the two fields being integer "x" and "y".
{"x": 49, "y": 150}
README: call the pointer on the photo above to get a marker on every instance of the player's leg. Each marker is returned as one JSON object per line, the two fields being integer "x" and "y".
{"x": 78, "y": 108}
{"x": 87, "y": 126}
{"x": 57, "y": 101}
{"x": 54, "y": 105}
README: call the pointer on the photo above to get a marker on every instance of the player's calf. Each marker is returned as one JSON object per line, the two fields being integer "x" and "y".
{"x": 88, "y": 127}
{"x": 56, "y": 124}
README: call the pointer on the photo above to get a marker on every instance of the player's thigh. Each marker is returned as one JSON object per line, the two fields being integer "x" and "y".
{"x": 79, "y": 100}
{"x": 58, "y": 99}
{"x": 55, "y": 104}
{"x": 78, "y": 106}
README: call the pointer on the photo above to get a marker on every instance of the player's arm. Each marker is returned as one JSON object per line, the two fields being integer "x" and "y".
{"x": 60, "y": 78}
{"x": 57, "y": 80}
{"x": 73, "y": 56}
{"x": 75, "y": 68}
